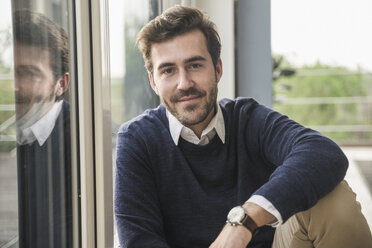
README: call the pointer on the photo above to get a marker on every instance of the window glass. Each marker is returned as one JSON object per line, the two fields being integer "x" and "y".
{"x": 131, "y": 92}
{"x": 8, "y": 162}
{"x": 35, "y": 143}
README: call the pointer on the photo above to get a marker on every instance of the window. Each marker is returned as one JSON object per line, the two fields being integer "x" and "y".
{"x": 131, "y": 92}
{"x": 130, "y": 88}
{"x": 37, "y": 203}
{"x": 8, "y": 161}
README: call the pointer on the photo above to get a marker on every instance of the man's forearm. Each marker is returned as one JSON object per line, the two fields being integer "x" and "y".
{"x": 259, "y": 214}
{"x": 240, "y": 236}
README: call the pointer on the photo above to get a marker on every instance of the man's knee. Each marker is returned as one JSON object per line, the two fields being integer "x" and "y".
{"x": 336, "y": 219}
{"x": 340, "y": 205}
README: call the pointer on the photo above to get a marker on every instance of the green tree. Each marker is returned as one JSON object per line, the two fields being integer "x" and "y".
{"x": 326, "y": 82}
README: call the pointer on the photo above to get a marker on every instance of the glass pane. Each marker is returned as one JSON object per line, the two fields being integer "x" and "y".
{"x": 131, "y": 92}
{"x": 35, "y": 144}
{"x": 8, "y": 158}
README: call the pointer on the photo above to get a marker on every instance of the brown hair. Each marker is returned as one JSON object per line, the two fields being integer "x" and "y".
{"x": 35, "y": 29}
{"x": 176, "y": 21}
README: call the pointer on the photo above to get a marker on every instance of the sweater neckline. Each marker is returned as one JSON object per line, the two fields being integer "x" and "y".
{"x": 194, "y": 149}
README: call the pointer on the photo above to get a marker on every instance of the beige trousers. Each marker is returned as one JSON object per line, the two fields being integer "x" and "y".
{"x": 336, "y": 221}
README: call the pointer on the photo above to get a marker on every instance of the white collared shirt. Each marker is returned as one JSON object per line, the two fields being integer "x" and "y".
{"x": 216, "y": 126}
{"x": 31, "y": 130}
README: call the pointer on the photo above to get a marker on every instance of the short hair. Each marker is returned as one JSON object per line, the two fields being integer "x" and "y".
{"x": 176, "y": 21}
{"x": 35, "y": 29}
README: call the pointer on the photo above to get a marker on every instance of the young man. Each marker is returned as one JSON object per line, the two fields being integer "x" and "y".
{"x": 186, "y": 165}
{"x": 41, "y": 60}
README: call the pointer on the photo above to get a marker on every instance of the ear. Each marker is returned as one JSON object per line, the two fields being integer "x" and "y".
{"x": 218, "y": 70}
{"x": 62, "y": 84}
{"x": 153, "y": 85}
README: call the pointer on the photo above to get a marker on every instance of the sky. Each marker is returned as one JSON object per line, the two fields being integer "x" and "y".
{"x": 335, "y": 32}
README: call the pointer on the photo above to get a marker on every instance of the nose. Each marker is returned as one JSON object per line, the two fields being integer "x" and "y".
{"x": 185, "y": 81}
{"x": 16, "y": 84}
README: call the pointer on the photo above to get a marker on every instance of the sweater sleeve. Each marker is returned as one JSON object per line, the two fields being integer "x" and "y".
{"x": 137, "y": 212}
{"x": 308, "y": 164}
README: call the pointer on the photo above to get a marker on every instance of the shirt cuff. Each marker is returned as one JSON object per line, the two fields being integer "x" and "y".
{"x": 265, "y": 204}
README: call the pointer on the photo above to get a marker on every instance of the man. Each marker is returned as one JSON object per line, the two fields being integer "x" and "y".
{"x": 41, "y": 59}
{"x": 186, "y": 165}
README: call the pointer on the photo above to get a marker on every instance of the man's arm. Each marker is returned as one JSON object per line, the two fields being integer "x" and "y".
{"x": 240, "y": 236}
{"x": 309, "y": 166}
{"x": 137, "y": 213}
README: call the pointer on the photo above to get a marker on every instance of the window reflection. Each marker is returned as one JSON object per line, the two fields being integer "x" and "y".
{"x": 8, "y": 167}
{"x": 41, "y": 60}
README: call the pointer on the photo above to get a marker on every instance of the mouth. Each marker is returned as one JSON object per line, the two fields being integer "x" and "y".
{"x": 20, "y": 100}
{"x": 189, "y": 99}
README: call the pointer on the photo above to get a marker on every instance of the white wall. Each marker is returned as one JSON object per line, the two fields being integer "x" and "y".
{"x": 222, "y": 14}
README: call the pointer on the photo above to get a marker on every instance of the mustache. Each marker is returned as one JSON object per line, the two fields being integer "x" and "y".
{"x": 22, "y": 99}
{"x": 182, "y": 93}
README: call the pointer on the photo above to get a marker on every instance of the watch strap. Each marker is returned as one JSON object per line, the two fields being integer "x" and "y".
{"x": 249, "y": 223}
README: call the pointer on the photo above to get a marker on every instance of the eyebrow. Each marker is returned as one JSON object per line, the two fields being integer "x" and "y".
{"x": 165, "y": 65}
{"x": 186, "y": 61}
{"x": 28, "y": 67}
{"x": 195, "y": 58}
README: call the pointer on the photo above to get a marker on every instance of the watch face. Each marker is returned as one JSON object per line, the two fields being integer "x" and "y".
{"x": 236, "y": 215}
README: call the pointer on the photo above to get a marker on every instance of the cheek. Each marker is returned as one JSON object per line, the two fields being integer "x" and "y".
{"x": 164, "y": 89}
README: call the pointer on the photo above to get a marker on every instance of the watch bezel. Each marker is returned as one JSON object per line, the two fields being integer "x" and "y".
{"x": 242, "y": 219}
{"x": 236, "y": 215}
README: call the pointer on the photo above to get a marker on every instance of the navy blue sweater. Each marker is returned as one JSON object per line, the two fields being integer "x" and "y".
{"x": 44, "y": 188}
{"x": 179, "y": 196}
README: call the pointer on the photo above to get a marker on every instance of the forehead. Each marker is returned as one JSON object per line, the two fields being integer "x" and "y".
{"x": 26, "y": 54}
{"x": 180, "y": 48}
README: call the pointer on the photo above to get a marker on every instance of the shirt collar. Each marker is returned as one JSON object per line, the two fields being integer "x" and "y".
{"x": 42, "y": 128}
{"x": 177, "y": 130}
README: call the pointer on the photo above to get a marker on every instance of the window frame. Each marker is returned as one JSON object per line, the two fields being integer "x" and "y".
{"x": 94, "y": 128}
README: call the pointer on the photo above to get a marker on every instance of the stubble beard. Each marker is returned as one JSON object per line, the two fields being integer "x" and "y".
{"x": 24, "y": 102}
{"x": 204, "y": 109}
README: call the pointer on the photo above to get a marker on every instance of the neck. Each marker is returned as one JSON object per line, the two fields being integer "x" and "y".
{"x": 35, "y": 113}
{"x": 199, "y": 128}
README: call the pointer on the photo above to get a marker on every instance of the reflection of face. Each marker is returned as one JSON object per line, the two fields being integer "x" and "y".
{"x": 185, "y": 78}
{"x": 34, "y": 79}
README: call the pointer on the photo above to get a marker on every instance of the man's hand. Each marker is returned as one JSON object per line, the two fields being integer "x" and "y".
{"x": 240, "y": 236}
{"x": 232, "y": 237}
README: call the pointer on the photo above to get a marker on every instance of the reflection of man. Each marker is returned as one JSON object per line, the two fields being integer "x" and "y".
{"x": 182, "y": 167}
{"x": 43, "y": 131}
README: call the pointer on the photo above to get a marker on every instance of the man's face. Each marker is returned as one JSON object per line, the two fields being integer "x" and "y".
{"x": 34, "y": 79}
{"x": 185, "y": 78}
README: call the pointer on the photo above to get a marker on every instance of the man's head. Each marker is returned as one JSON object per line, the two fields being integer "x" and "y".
{"x": 176, "y": 21}
{"x": 41, "y": 60}
{"x": 182, "y": 53}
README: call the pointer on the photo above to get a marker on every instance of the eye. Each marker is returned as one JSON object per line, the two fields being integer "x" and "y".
{"x": 167, "y": 71}
{"x": 22, "y": 73}
{"x": 195, "y": 66}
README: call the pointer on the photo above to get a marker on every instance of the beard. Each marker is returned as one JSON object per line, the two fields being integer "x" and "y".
{"x": 195, "y": 113}
{"x": 24, "y": 102}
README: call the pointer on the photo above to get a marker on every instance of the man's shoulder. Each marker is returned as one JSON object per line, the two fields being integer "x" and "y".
{"x": 149, "y": 121}
{"x": 63, "y": 119}
{"x": 239, "y": 104}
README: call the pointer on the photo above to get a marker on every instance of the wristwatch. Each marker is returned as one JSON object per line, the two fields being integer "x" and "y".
{"x": 238, "y": 216}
